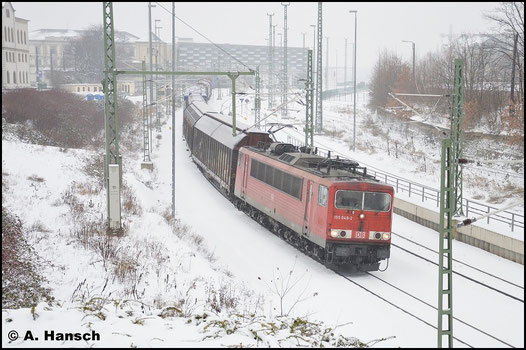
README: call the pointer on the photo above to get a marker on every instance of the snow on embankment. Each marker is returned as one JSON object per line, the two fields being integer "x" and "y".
{"x": 156, "y": 285}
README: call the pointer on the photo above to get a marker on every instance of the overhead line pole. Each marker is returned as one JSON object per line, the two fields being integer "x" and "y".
{"x": 327, "y": 65}
{"x": 113, "y": 164}
{"x": 309, "y": 87}
{"x": 270, "y": 60}
{"x": 273, "y": 60}
{"x": 157, "y": 54}
{"x": 257, "y": 100}
{"x": 285, "y": 60}
{"x": 450, "y": 205}
{"x": 345, "y": 71}
{"x": 354, "y": 79}
{"x": 146, "y": 131}
{"x": 151, "y": 69}
{"x": 173, "y": 109}
{"x": 457, "y": 133}
{"x": 319, "y": 110}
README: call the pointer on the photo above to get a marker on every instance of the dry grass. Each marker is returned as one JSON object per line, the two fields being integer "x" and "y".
{"x": 35, "y": 178}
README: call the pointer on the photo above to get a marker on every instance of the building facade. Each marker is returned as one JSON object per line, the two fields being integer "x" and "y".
{"x": 207, "y": 57}
{"x": 15, "y": 50}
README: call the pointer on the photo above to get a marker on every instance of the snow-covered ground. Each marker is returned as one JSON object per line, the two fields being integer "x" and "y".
{"x": 213, "y": 257}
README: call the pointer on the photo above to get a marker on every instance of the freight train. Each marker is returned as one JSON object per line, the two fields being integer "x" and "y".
{"x": 329, "y": 208}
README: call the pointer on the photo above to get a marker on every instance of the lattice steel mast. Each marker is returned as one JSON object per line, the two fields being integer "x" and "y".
{"x": 145, "y": 125}
{"x": 319, "y": 111}
{"x": 270, "y": 62}
{"x": 457, "y": 138}
{"x": 257, "y": 100}
{"x": 285, "y": 61}
{"x": 450, "y": 205}
{"x": 309, "y": 87}
{"x": 113, "y": 167}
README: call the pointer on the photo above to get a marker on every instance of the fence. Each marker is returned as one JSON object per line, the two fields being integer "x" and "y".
{"x": 426, "y": 193}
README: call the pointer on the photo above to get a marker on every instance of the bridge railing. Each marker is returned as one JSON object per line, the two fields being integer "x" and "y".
{"x": 429, "y": 194}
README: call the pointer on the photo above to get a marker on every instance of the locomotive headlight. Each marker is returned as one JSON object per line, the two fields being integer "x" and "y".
{"x": 386, "y": 235}
{"x": 334, "y": 233}
{"x": 362, "y": 215}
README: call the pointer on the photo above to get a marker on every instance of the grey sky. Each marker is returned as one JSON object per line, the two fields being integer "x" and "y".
{"x": 380, "y": 25}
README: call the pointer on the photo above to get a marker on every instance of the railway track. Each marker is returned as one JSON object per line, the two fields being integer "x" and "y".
{"x": 472, "y": 279}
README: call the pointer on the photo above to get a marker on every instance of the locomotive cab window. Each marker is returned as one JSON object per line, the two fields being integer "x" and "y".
{"x": 349, "y": 200}
{"x": 357, "y": 200}
{"x": 377, "y": 201}
{"x": 323, "y": 195}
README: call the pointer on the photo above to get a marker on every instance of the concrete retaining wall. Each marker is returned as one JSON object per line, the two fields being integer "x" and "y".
{"x": 493, "y": 242}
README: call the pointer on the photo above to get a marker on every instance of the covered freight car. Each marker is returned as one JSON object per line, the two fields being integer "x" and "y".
{"x": 212, "y": 144}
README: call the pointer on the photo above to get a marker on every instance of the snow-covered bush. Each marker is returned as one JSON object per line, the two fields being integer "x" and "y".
{"x": 22, "y": 283}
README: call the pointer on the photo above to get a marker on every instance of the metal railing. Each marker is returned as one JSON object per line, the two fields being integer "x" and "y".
{"x": 426, "y": 193}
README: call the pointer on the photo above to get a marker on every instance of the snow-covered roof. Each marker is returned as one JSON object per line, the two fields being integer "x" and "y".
{"x": 67, "y": 34}
{"x": 47, "y": 34}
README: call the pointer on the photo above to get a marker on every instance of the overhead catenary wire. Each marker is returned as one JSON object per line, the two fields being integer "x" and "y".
{"x": 460, "y": 262}
{"x": 460, "y": 274}
{"x": 434, "y": 307}
{"x": 396, "y": 306}
{"x": 219, "y": 47}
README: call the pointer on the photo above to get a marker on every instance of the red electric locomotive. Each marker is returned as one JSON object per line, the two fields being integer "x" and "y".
{"x": 329, "y": 208}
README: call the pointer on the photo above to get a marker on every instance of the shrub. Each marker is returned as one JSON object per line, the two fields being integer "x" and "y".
{"x": 21, "y": 281}
{"x": 64, "y": 119}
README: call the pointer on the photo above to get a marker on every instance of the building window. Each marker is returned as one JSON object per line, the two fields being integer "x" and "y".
{"x": 19, "y": 57}
{"x": 20, "y": 77}
{"x": 27, "y": 77}
{"x": 5, "y": 34}
{"x": 78, "y": 88}
{"x": 83, "y": 88}
{"x": 18, "y": 37}
{"x": 14, "y": 77}
{"x": 7, "y": 77}
{"x": 7, "y": 13}
{"x": 25, "y": 38}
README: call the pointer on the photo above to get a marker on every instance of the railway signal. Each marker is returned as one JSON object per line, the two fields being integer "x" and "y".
{"x": 468, "y": 221}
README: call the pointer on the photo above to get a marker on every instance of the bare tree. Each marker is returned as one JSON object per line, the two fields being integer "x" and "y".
{"x": 508, "y": 18}
{"x": 87, "y": 54}
{"x": 386, "y": 73}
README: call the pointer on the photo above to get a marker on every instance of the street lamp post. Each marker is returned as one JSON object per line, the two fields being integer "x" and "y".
{"x": 354, "y": 78}
{"x": 314, "y": 35}
{"x": 413, "y": 44}
{"x": 345, "y": 72}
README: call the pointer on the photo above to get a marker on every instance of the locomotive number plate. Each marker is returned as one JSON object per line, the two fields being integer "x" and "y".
{"x": 342, "y": 217}
{"x": 359, "y": 234}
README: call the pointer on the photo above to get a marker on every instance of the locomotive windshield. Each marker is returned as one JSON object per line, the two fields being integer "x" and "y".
{"x": 357, "y": 200}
